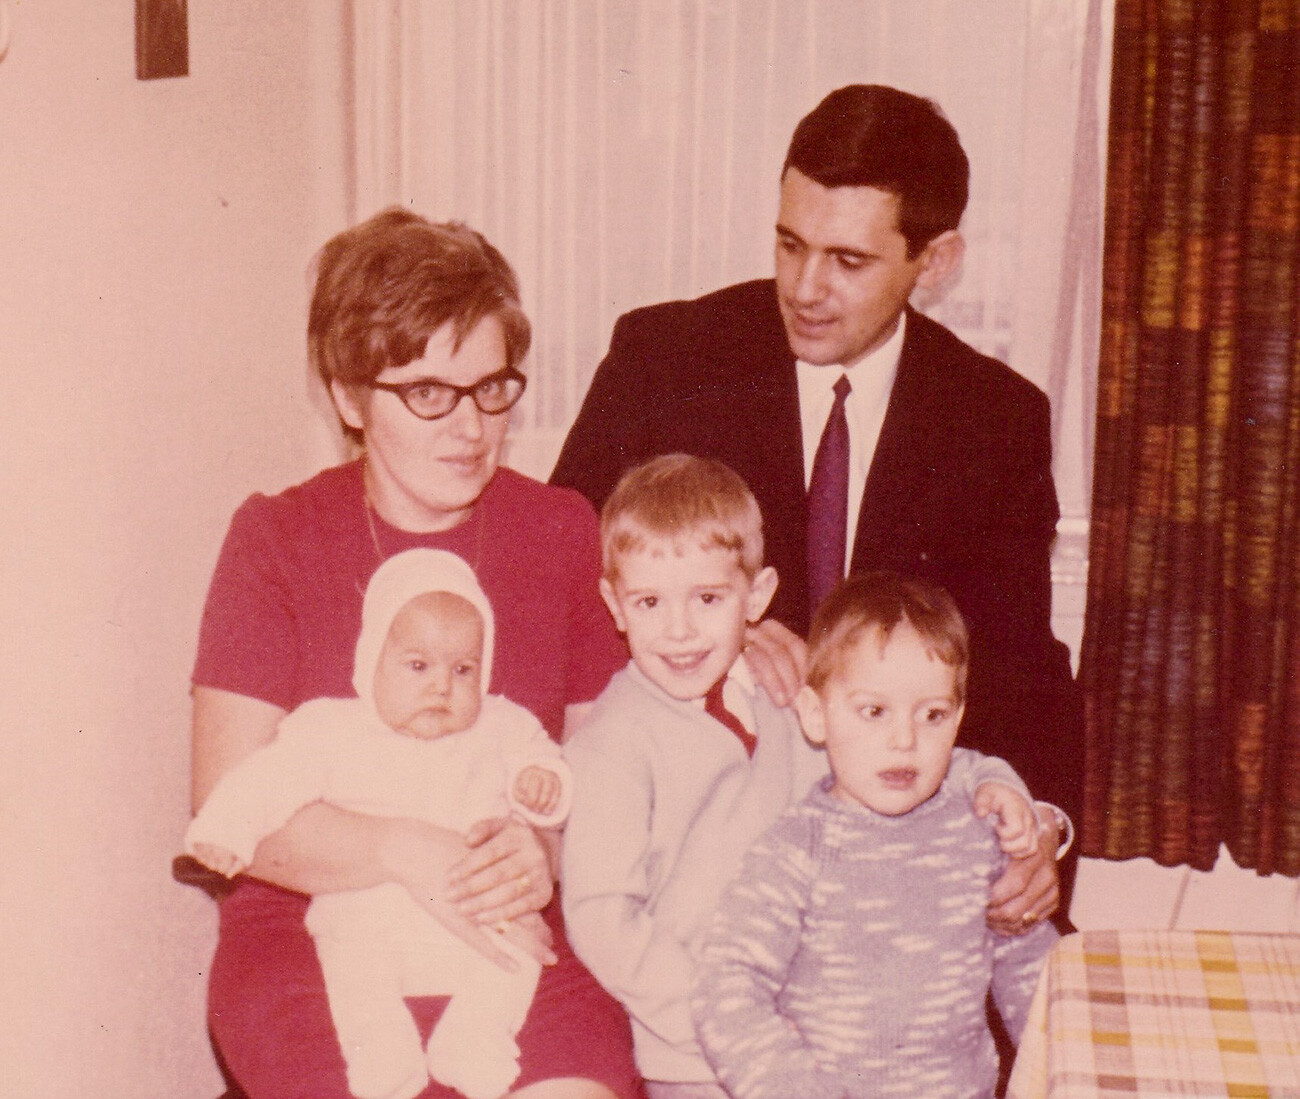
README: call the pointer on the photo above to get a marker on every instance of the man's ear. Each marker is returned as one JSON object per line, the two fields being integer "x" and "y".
{"x": 349, "y": 408}
{"x": 761, "y": 590}
{"x": 812, "y": 716}
{"x": 940, "y": 259}
{"x": 608, "y": 594}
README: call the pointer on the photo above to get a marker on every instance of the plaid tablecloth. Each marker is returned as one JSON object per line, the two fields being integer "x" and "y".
{"x": 1164, "y": 1013}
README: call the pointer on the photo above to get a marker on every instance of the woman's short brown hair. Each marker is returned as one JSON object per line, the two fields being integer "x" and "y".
{"x": 880, "y": 601}
{"x": 386, "y": 285}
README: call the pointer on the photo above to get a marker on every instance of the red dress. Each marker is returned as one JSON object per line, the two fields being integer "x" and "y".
{"x": 280, "y": 625}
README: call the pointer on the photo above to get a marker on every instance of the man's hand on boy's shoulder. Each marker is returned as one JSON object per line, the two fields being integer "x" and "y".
{"x": 1028, "y": 891}
{"x": 777, "y": 659}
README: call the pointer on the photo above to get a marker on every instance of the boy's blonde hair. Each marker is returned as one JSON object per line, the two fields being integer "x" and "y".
{"x": 880, "y": 601}
{"x": 677, "y": 496}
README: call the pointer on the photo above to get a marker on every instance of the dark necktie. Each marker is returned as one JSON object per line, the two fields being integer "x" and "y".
{"x": 714, "y": 707}
{"x": 828, "y": 502}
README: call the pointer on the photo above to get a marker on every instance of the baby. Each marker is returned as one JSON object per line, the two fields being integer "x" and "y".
{"x": 422, "y": 740}
{"x": 851, "y": 956}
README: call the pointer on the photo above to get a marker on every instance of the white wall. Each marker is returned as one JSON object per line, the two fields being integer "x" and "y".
{"x": 153, "y": 244}
{"x": 1139, "y": 893}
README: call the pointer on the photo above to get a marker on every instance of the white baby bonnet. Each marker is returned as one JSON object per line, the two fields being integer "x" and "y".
{"x": 395, "y": 583}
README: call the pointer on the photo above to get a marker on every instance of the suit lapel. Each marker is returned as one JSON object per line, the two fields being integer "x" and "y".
{"x": 903, "y": 459}
{"x": 765, "y": 409}
{"x": 781, "y": 424}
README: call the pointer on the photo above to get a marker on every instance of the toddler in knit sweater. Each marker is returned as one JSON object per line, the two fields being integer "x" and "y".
{"x": 851, "y": 957}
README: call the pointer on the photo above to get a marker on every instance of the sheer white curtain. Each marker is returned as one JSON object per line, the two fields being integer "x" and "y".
{"x": 627, "y": 151}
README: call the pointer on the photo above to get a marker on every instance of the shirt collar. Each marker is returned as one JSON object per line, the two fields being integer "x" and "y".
{"x": 873, "y": 374}
{"x": 742, "y": 676}
{"x": 739, "y": 676}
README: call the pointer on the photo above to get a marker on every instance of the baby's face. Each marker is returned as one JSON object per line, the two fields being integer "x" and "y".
{"x": 428, "y": 680}
{"x": 888, "y": 718}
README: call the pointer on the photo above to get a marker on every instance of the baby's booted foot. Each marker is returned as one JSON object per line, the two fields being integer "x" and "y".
{"x": 483, "y": 1067}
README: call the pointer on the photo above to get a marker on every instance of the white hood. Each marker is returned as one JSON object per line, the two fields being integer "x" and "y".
{"x": 395, "y": 583}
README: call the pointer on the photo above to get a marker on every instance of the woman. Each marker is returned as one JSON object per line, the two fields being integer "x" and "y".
{"x": 416, "y": 330}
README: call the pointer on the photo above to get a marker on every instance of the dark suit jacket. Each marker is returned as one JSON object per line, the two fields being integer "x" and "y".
{"x": 960, "y": 490}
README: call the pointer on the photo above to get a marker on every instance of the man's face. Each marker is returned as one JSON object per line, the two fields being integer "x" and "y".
{"x": 842, "y": 272}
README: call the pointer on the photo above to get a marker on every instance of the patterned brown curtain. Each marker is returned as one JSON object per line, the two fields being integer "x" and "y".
{"x": 1191, "y": 651}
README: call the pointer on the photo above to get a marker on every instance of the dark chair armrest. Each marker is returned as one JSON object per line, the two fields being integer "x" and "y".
{"x": 189, "y": 871}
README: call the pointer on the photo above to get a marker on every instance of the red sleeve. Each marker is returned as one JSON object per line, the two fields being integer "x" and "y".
{"x": 248, "y": 637}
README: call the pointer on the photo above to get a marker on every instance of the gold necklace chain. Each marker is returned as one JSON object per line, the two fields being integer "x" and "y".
{"x": 370, "y": 523}
{"x": 371, "y": 511}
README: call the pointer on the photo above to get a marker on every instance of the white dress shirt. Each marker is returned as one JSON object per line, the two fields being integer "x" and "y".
{"x": 872, "y": 379}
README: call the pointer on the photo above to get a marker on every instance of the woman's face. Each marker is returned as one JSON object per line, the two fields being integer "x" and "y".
{"x": 425, "y": 475}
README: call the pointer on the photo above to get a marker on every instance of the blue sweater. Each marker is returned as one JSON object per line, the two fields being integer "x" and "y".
{"x": 851, "y": 958}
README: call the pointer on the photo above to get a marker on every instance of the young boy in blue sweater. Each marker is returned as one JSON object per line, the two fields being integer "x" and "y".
{"x": 685, "y": 761}
{"x": 851, "y": 956}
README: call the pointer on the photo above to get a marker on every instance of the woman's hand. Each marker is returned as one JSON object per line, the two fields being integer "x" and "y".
{"x": 418, "y": 857}
{"x": 777, "y": 658}
{"x": 506, "y": 874}
{"x": 1028, "y": 890}
{"x": 532, "y": 935}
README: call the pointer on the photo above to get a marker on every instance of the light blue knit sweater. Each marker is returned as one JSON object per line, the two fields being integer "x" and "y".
{"x": 851, "y": 957}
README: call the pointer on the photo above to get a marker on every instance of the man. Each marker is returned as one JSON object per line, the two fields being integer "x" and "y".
{"x": 939, "y": 457}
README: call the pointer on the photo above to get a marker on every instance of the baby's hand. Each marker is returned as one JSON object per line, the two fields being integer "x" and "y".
{"x": 1016, "y": 826}
{"x": 537, "y": 790}
{"x": 218, "y": 859}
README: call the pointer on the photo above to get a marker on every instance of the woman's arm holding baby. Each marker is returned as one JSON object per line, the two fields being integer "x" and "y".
{"x": 324, "y": 849}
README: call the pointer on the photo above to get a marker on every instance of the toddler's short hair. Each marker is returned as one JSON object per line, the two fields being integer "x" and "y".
{"x": 679, "y": 496}
{"x": 880, "y": 601}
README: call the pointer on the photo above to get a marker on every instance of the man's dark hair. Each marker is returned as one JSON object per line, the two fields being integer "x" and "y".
{"x": 869, "y": 135}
